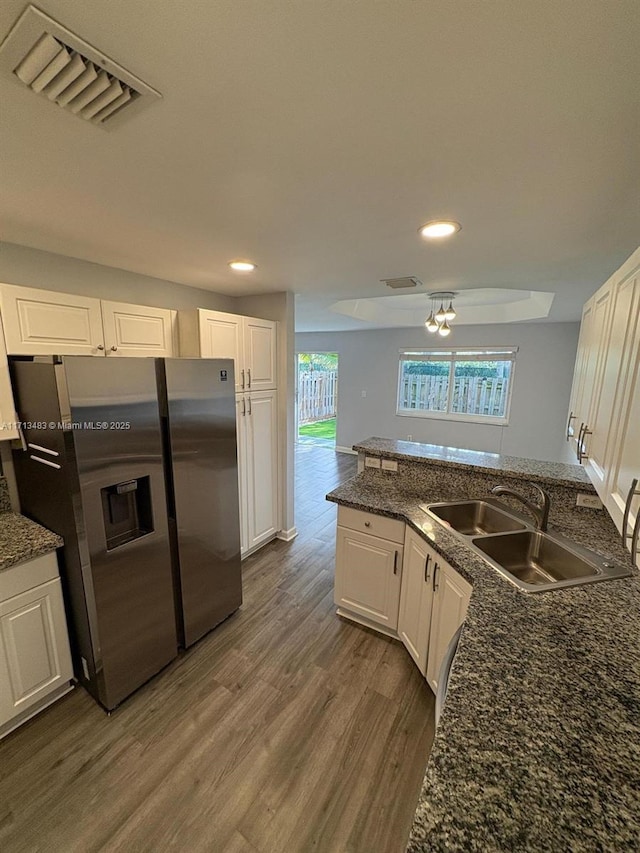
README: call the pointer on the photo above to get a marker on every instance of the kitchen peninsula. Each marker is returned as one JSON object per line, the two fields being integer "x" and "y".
{"x": 538, "y": 746}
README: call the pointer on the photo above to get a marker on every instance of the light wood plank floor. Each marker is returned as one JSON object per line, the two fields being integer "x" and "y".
{"x": 286, "y": 729}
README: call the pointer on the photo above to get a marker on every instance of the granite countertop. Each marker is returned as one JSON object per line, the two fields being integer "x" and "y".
{"x": 554, "y": 473}
{"x": 22, "y": 539}
{"x": 538, "y": 746}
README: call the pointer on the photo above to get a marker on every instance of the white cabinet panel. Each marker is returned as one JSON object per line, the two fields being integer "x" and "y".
{"x": 261, "y": 466}
{"x": 7, "y": 405}
{"x": 256, "y": 421}
{"x": 368, "y": 576}
{"x": 34, "y": 648}
{"x": 221, "y": 337}
{"x": 40, "y": 322}
{"x": 138, "y": 330}
{"x": 450, "y": 603}
{"x": 416, "y": 598}
{"x": 259, "y": 353}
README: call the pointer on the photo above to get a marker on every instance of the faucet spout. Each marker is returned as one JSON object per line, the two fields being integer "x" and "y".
{"x": 540, "y": 511}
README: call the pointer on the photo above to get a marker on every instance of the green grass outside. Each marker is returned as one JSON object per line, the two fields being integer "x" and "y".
{"x": 319, "y": 429}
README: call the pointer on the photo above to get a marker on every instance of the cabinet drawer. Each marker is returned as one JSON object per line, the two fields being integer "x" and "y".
{"x": 367, "y": 522}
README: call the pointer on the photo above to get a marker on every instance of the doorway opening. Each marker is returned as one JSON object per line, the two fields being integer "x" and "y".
{"x": 317, "y": 409}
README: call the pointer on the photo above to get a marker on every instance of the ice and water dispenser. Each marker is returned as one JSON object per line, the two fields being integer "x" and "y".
{"x": 126, "y": 509}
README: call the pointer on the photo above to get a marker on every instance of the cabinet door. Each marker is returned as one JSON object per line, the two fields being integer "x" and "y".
{"x": 450, "y": 603}
{"x": 137, "y": 330}
{"x": 368, "y": 576}
{"x": 260, "y": 353}
{"x": 414, "y": 618}
{"x": 261, "y": 466}
{"x": 40, "y": 322}
{"x": 221, "y": 337}
{"x": 34, "y": 648}
{"x": 7, "y": 406}
{"x": 241, "y": 430}
{"x": 597, "y": 319}
{"x": 620, "y": 341}
{"x": 624, "y": 463}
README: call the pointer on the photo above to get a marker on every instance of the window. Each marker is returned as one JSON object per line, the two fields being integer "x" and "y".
{"x": 457, "y": 384}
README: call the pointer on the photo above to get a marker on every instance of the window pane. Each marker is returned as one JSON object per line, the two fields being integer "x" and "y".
{"x": 481, "y": 388}
{"x": 424, "y": 385}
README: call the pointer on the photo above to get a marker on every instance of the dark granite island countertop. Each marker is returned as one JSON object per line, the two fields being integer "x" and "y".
{"x": 556, "y": 473}
{"x": 538, "y": 747}
{"x": 22, "y": 539}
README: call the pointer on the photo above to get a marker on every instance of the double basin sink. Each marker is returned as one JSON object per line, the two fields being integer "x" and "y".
{"x": 532, "y": 560}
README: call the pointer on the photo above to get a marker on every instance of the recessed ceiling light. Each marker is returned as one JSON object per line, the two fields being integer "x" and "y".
{"x": 242, "y": 266}
{"x": 439, "y": 228}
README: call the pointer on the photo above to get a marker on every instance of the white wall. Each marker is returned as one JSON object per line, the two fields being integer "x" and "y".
{"x": 33, "y": 268}
{"x": 368, "y": 361}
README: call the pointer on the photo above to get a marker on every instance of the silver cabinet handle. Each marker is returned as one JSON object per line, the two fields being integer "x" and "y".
{"x": 395, "y": 562}
{"x": 249, "y": 376}
{"x": 100, "y": 347}
{"x": 585, "y": 432}
{"x": 572, "y": 417}
{"x": 436, "y": 582}
{"x": 582, "y": 424}
{"x": 242, "y": 374}
{"x": 249, "y": 401}
{"x": 426, "y": 568}
{"x": 627, "y": 508}
{"x": 244, "y": 408}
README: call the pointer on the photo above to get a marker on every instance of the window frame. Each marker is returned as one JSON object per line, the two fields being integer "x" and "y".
{"x": 453, "y": 354}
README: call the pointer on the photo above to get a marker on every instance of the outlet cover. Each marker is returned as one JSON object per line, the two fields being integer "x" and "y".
{"x": 591, "y": 501}
{"x": 371, "y": 462}
{"x": 390, "y": 465}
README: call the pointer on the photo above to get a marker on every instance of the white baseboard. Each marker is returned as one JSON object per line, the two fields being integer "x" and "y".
{"x": 287, "y": 535}
{"x": 346, "y": 450}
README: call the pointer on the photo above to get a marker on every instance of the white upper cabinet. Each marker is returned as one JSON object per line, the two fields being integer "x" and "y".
{"x": 41, "y": 322}
{"x": 259, "y": 344}
{"x": 606, "y": 393}
{"x": 131, "y": 330}
{"x": 249, "y": 341}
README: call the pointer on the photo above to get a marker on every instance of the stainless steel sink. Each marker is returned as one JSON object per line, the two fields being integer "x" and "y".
{"x": 536, "y": 561}
{"x": 473, "y": 518}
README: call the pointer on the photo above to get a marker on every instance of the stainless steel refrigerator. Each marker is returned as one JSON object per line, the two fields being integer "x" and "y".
{"x": 133, "y": 462}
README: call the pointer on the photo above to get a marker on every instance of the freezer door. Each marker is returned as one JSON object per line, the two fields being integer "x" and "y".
{"x": 118, "y": 448}
{"x": 201, "y": 443}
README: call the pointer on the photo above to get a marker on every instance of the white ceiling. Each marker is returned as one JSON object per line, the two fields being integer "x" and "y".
{"x": 315, "y": 137}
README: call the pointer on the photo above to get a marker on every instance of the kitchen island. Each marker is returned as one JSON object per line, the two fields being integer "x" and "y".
{"x": 538, "y": 747}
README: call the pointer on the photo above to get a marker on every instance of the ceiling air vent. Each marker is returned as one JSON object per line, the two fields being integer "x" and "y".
{"x": 44, "y": 56}
{"x": 399, "y": 283}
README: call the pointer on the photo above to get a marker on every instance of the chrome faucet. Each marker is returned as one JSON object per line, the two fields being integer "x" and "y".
{"x": 540, "y": 510}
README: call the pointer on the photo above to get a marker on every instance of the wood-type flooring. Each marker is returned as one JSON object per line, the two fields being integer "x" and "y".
{"x": 285, "y": 730}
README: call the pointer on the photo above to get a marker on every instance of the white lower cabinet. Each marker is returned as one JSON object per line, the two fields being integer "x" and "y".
{"x": 389, "y": 578}
{"x": 416, "y": 598}
{"x": 257, "y": 429}
{"x": 35, "y": 661}
{"x": 450, "y": 603}
{"x": 369, "y": 554}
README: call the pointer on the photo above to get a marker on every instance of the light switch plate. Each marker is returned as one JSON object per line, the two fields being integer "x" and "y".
{"x": 389, "y": 465}
{"x": 371, "y": 462}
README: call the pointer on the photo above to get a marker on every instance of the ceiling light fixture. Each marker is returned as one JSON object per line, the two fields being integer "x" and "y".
{"x": 439, "y": 228}
{"x": 439, "y": 322}
{"x": 242, "y": 266}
